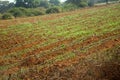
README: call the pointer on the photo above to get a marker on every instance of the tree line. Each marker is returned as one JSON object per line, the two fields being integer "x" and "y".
{"x": 25, "y": 8}
{"x": 36, "y": 3}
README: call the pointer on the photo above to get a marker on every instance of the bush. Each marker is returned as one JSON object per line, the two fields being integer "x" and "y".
{"x": 22, "y": 12}
{"x": 37, "y": 12}
{"x": 41, "y": 10}
{"x": 7, "y": 16}
{"x": 53, "y": 10}
{"x": 69, "y": 7}
{"x": 17, "y": 12}
{"x": 29, "y": 13}
{"x": 83, "y": 4}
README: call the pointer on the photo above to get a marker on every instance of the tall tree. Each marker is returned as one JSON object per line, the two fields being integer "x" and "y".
{"x": 19, "y": 3}
{"x": 91, "y": 2}
{"x": 79, "y": 3}
{"x": 106, "y": 1}
{"x": 44, "y": 3}
{"x": 27, "y": 3}
{"x": 76, "y": 2}
{"x": 5, "y": 5}
{"x": 55, "y": 2}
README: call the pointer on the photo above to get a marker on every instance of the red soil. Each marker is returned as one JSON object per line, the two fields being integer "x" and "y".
{"x": 62, "y": 64}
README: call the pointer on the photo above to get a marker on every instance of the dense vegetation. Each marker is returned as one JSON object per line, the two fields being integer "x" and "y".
{"x": 26, "y": 8}
{"x": 78, "y": 45}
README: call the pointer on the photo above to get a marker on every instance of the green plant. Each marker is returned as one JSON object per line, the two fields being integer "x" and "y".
{"x": 83, "y": 4}
{"x": 37, "y": 12}
{"x": 53, "y": 10}
{"x": 69, "y": 7}
{"x": 7, "y": 16}
{"x": 17, "y": 12}
{"x": 22, "y": 12}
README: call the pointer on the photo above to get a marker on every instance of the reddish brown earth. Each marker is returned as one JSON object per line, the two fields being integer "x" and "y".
{"x": 62, "y": 64}
{"x": 36, "y": 62}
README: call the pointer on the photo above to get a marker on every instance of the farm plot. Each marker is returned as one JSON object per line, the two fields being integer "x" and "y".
{"x": 56, "y": 44}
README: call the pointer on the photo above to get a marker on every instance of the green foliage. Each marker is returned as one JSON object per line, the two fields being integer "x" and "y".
{"x": 83, "y": 4}
{"x": 55, "y": 2}
{"x": 91, "y": 2}
{"x": 32, "y": 7}
{"x": 80, "y": 3}
{"x": 5, "y": 5}
{"x": 4, "y": 2}
{"x": 69, "y": 7}
{"x": 101, "y": 1}
{"x": 35, "y": 12}
{"x": 17, "y": 12}
{"x": 53, "y": 10}
{"x": 76, "y": 2}
{"x": 27, "y": 3}
{"x": 7, "y": 16}
{"x": 44, "y": 3}
{"x": 32, "y": 3}
{"x": 22, "y": 12}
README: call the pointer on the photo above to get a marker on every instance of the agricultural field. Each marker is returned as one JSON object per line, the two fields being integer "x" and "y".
{"x": 78, "y": 45}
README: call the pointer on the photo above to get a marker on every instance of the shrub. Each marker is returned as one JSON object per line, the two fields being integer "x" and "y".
{"x": 22, "y": 12}
{"x": 83, "y": 4}
{"x": 7, "y": 16}
{"x": 29, "y": 13}
{"x": 17, "y": 12}
{"x": 37, "y": 12}
{"x": 69, "y": 7}
{"x": 53, "y": 10}
{"x": 41, "y": 10}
